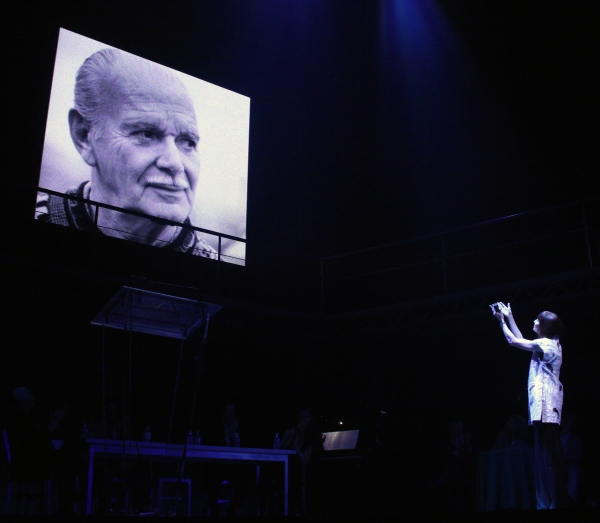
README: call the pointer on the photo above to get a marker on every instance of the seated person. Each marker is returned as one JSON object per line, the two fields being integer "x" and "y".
{"x": 514, "y": 434}
{"x": 225, "y": 433}
{"x": 307, "y": 441}
{"x": 572, "y": 448}
{"x": 33, "y": 456}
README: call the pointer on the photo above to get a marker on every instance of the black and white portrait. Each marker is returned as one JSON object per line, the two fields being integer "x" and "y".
{"x": 139, "y": 136}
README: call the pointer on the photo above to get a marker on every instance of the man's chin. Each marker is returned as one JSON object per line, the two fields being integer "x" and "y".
{"x": 167, "y": 212}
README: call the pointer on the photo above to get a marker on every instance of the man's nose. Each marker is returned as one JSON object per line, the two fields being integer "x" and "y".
{"x": 169, "y": 157}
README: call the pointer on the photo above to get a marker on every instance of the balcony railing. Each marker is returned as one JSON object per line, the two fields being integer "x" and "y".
{"x": 228, "y": 248}
{"x": 554, "y": 240}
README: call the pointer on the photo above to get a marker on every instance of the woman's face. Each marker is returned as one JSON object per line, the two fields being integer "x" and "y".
{"x": 536, "y": 326}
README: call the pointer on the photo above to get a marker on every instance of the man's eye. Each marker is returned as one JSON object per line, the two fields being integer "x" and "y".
{"x": 145, "y": 134}
{"x": 187, "y": 143}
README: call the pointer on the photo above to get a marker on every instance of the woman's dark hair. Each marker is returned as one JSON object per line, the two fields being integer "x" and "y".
{"x": 550, "y": 324}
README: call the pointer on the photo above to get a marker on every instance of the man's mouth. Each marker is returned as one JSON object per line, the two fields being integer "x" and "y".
{"x": 167, "y": 183}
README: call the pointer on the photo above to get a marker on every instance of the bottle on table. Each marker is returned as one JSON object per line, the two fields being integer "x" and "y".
{"x": 197, "y": 439}
{"x": 190, "y": 438}
{"x": 277, "y": 442}
{"x": 147, "y": 433}
{"x": 236, "y": 440}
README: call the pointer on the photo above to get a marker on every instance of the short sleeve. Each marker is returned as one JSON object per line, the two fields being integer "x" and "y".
{"x": 548, "y": 347}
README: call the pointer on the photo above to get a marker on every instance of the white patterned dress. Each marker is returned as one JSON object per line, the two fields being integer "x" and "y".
{"x": 545, "y": 389}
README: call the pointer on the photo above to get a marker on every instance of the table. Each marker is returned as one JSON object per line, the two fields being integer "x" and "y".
{"x": 162, "y": 451}
{"x": 505, "y": 479}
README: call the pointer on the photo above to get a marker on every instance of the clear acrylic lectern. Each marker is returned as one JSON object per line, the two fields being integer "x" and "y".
{"x": 150, "y": 312}
{"x": 140, "y": 310}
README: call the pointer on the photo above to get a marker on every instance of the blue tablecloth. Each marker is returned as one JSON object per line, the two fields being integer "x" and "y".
{"x": 505, "y": 479}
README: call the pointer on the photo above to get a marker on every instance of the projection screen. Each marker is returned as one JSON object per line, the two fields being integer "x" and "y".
{"x": 148, "y": 139}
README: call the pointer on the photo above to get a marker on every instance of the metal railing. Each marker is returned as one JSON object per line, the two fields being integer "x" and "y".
{"x": 216, "y": 240}
{"x": 510, "y": 249}
{"x": 548, "y": 241}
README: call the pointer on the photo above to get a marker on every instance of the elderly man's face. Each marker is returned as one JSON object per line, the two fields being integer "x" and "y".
{"x": 146, "y": 147}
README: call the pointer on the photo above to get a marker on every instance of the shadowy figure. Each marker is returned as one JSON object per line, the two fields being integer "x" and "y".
{"x": 115, "y": 427}
{"x": 307, "y": 441}
{"x": 122, "y": 486}
{"x": 514, "y": 435}
{"x": 572, "y": 448}
{"x": 456, "y": 482}
{"x": 225, "y": 432}
{"x": 29, "y": 432}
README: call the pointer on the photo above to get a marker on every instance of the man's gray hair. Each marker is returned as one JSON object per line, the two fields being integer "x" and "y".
{"x": 89, "y": 83}
{"x": 94, "y": 82}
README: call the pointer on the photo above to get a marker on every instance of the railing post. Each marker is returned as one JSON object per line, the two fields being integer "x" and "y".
{"x": 94, "y": 238}
{"x": 219, "y": 266}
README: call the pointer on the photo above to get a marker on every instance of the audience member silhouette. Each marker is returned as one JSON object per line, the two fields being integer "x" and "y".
{"x": 307, "y": 441}
{"x": 514, "y": 435}
{"x": 121, "y": 486}
{"x": 29, "y": 432}
{"x": 114, "y": 427}
{"x": 572, "y": 449}
{"x": 225, "y": 432}
{"x": 459, "y": 460}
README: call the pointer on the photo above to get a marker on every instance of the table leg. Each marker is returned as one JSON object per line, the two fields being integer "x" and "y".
{"x": 258, "y": 493}
{"x": 88, "y": 507}
{"x": 285, "y": 490}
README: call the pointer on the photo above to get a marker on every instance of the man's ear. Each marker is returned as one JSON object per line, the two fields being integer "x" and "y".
{"x": 80, "y": 134}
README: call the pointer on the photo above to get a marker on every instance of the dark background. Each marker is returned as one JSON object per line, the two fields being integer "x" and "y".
{"x": 371, "y": 123}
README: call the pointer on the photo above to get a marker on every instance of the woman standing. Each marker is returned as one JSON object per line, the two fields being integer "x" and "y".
{"x": 545, "y": 393}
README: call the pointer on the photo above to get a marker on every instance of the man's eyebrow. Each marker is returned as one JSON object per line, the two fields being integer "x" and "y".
{"x": 191, "y": 133}
{"x": 140, "y": 123}
{"x": 136, "y": 124}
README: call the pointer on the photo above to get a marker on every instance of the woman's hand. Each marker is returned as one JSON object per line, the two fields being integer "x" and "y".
{"x": 499, "y": 316}
{"x": 505, "y": 309}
